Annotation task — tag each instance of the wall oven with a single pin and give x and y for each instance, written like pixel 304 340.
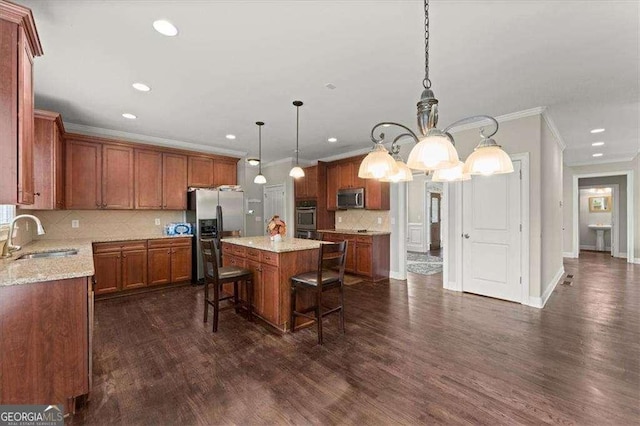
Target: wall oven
pixel 306 216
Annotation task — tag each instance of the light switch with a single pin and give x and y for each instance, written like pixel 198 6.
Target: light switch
pixel 157 221
pixel 379 221
pixel 339 219
pixel 393 220
pixel 258 218
pixel 75 223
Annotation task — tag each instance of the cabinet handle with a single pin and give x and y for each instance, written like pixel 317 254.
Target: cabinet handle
pixel 124 256
pixel 168 251
pixel 97 204
pixel 37 194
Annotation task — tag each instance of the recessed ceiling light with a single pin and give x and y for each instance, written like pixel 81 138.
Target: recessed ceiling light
pixel 330 86
pixel 598 154
pixel 230 136
pixel 597 131
pixel 141 87
pixel 332 140
pixel 165 27
pixel 597 144
pixel 129 116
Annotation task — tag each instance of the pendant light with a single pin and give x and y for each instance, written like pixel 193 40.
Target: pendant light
pixel 403 172
pixel 435 149
pixel 260 179
pixel 452 174
pixel 297 171
pixel 377 164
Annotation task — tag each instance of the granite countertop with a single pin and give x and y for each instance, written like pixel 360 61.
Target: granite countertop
pixel 265 243
pixel 25 271
pixel 352 232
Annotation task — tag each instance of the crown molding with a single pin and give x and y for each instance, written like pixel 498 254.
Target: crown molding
pixel 136 137
pixel 597 163
pixel 554 129
pixel 500 119
pixel 347 154
pixel 24 17
pixel 289 160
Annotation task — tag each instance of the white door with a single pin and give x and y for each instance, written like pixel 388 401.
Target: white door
pixel 274 204
pixel 491 240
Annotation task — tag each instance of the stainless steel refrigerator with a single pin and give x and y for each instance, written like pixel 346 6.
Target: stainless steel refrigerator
pixel 212 212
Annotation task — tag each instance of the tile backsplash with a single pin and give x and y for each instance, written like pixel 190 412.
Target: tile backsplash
pixel 103 223
pixel 363 219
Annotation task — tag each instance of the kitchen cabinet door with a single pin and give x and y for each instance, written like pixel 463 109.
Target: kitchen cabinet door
pixel 48 161
pixel 200 172
pixel 58 165
pixel 258 290
pixel 148 179
pixel 225 173
pixel 25 121
pixel 270 280
pixel 376 195
pixel 180 264
pixel 311 181
pixel 364 259
pixel 333 184
pixel 108 270
pixel 300 187
pixel 117 177
pixel 346 175
pixel 159 266
pixel 134 269
pixel 350 262
pixel 174 181
pixel 83 177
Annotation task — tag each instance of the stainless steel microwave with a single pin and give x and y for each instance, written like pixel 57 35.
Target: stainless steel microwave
pixel 351 198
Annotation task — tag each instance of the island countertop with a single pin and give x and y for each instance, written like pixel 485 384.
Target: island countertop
pixel 264 243
pixel 352 232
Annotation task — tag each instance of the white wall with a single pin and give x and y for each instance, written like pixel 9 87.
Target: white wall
pixel 569 172
pixel 254 223
pixel 550 210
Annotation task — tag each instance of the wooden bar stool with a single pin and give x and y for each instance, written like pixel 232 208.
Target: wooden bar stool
pixel 323 279
pixel 213 274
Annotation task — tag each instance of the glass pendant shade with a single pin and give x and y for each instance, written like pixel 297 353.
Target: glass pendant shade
pixel 434 151
pixel 260 179
pixel 404 174
pixel 253 161
pixel 377 164
pixel 453 174
pixel 488 159
pixel 296 172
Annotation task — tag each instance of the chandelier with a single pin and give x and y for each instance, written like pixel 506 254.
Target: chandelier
pixel 434 150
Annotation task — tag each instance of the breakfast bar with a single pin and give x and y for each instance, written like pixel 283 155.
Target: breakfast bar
pixel 273 264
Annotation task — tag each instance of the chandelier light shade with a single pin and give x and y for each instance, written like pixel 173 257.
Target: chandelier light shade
pixel 487 159
pixel 404 173
pixel 297 172
pixel 434 151
pixel 453 174
pixel 260 179
pixel 377 164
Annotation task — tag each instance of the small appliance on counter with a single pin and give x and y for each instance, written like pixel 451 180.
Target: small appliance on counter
pixel 178 228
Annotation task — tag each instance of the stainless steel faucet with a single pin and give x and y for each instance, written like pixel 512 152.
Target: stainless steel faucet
pixel 8 246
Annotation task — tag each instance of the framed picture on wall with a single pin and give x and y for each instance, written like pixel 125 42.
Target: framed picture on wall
pixel 600 204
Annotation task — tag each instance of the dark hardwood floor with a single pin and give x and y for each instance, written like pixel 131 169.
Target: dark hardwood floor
pixel 413 354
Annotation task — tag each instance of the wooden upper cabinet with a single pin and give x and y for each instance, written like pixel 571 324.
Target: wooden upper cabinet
pixel 307 186
pixel 117 177
pixel 225 172
pixel 19 43
pixel 346 175
pixel 174 181
pixel 200 172
pixel 333 184
pixel 48 161
pixel 25 121
pixel 376 195
pixel 148 179
pixel 83 177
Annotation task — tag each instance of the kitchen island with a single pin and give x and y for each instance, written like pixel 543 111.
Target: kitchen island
pixel 273 265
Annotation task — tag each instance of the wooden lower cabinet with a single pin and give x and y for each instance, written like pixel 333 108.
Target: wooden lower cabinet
pixel 272 274
pixel 367 255
pixel 46 342
pixel 129 265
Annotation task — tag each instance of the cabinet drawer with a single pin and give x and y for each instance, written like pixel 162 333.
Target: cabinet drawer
pixel 160 243
pixel 239 251
pixel 253 254
pixel 119 245
pixel 364 239
pixel 227 248
pixel 180 242
pixel 270 258
pixel 170 242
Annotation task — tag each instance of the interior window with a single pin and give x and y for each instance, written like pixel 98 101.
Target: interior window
pixel 7 212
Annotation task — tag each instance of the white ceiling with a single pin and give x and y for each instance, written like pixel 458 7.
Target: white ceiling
pixel 237 62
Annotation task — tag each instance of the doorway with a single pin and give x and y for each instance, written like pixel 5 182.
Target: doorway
pixel 424 216
pixel 599 219
pixel 274 204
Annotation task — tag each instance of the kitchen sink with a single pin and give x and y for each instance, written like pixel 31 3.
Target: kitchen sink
pixel 59 253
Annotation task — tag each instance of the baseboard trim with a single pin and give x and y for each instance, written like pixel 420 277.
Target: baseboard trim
pixel 397 275
pixel 452 285
pixel 568 254
pixel 636 260
pixel 539 302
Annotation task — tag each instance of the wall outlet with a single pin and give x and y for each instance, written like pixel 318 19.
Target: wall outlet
pixel 157 221
pixel 379 221
pixel 258 218
pixel 75 223
pixel 339 219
